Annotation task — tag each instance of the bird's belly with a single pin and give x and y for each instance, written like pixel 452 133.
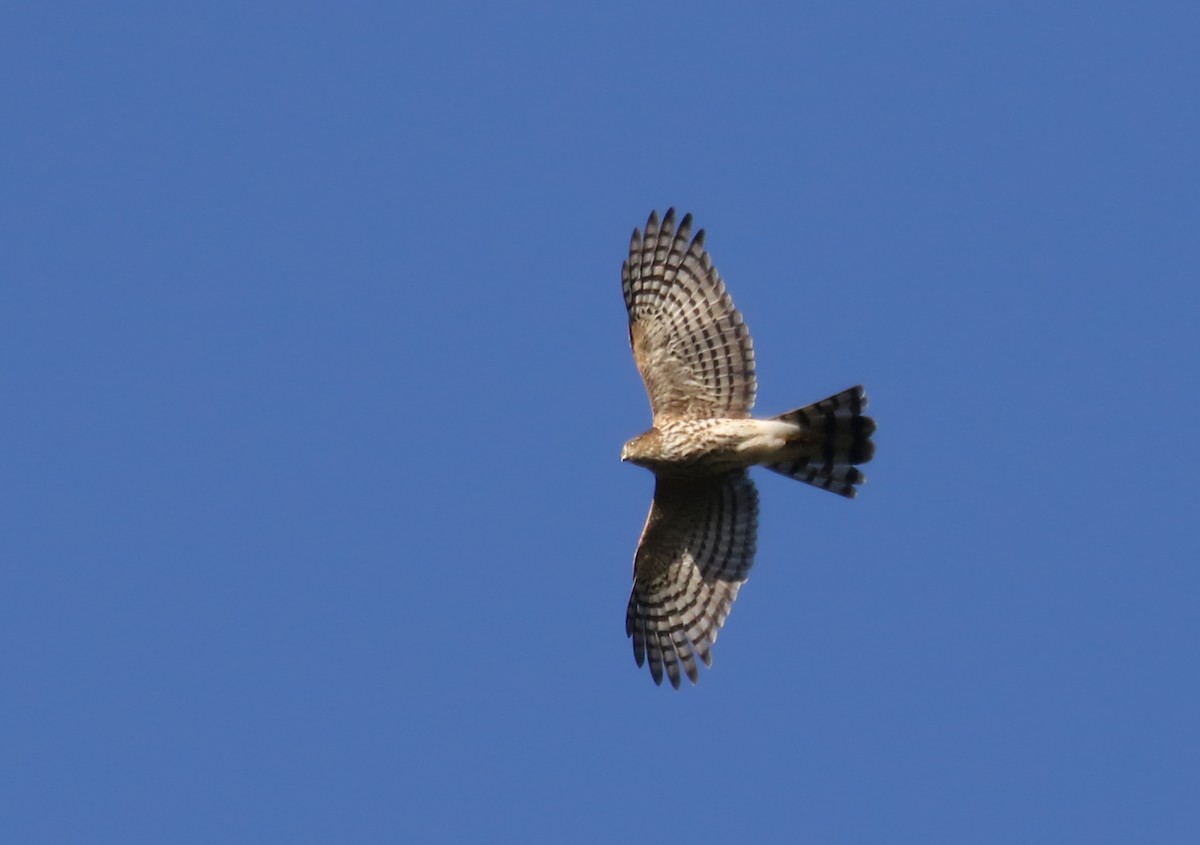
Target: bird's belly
pixel 724 445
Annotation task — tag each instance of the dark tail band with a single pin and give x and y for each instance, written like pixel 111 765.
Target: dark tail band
pixel 839 437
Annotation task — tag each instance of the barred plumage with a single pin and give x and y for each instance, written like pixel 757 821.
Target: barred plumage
pixel 694 554
pixel 694 352
pixel 690 343
pixel 841 438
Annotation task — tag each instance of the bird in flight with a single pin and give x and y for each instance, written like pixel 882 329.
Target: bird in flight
pixel 694 353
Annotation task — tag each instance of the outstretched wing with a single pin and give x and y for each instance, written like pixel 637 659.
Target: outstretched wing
pixel 695 552
pixel 690 343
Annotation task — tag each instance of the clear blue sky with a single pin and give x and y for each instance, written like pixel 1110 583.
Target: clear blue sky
pixel 315 377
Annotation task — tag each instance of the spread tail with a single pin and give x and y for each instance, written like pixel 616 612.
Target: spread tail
pixel 837 437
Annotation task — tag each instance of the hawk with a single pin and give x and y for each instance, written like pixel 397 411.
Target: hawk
pixel 693 350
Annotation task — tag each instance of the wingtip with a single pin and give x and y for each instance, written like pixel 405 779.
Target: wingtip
pixel 684 232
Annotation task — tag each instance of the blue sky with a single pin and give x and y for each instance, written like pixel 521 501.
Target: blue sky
pixel 315 377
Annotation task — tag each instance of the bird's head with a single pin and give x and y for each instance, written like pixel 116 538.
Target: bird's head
pixel 641 448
